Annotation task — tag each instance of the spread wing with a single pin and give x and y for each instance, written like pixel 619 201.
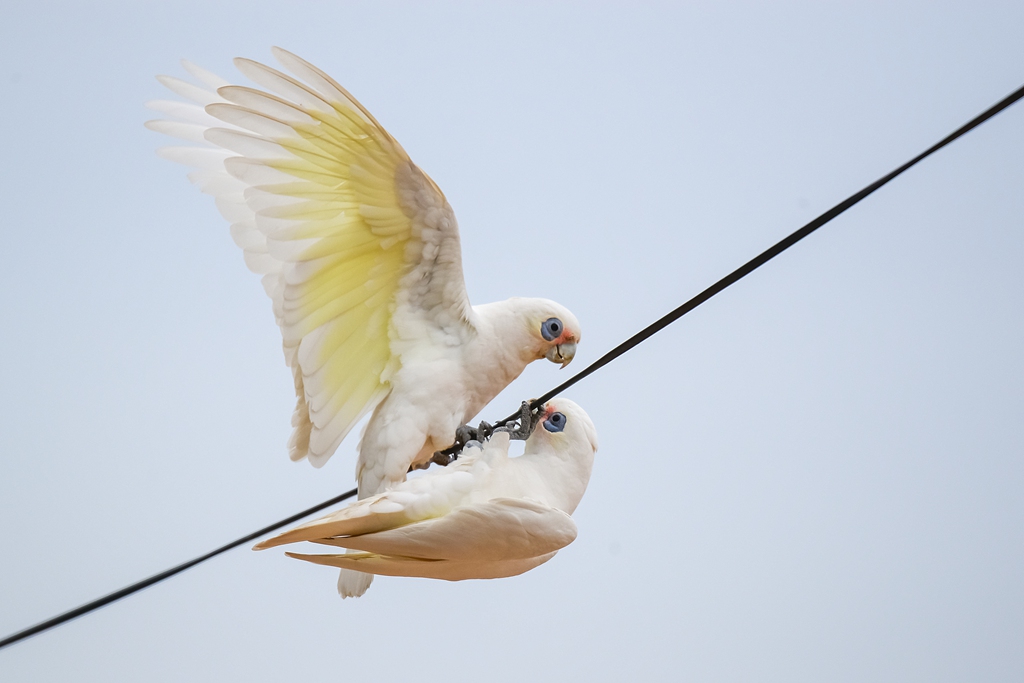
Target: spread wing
pixel 358 248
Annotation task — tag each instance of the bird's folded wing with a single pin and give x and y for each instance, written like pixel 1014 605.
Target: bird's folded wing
pixel 451 570
pixel 498 530
pixel 417 500
pixel 358 247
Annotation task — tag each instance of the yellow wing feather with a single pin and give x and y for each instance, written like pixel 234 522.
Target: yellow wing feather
pixel 313 198
pixel 352 166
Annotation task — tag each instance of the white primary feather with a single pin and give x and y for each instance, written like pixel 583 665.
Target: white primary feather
pixel 368 564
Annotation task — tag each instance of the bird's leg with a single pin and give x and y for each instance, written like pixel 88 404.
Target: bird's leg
pixel 523 426
pixel 463 435
pixel 442 458
pixel 466 435
pixel 484 431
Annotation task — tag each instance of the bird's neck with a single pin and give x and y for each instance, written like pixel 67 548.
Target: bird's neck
pixel 499 353
pixel 562 476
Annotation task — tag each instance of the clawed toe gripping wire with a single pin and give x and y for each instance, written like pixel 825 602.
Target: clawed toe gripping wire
pixel 519 427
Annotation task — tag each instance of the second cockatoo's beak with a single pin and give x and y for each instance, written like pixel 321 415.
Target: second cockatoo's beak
pixel 561 353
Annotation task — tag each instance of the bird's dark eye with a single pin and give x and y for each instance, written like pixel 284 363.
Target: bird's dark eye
pixel 555 423
pixel 551 329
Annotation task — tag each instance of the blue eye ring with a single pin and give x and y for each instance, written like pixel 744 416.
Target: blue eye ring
pixel 555 422
pixel 551 329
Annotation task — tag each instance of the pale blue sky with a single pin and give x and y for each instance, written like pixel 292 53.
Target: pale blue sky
pixel 816 476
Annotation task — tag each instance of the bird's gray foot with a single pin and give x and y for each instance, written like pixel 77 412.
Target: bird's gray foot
pixel 465 434
pixel 442 458
pixel 523 426
pixel 484 431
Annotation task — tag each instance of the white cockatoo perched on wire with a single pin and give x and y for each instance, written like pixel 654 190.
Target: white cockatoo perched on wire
pixel 359 251
pixel 486 516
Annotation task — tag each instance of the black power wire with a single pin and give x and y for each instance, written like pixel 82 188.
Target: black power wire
pixel 644 334
pixel 157 578
pixel 766 256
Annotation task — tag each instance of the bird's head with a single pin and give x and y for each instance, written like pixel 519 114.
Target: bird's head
pixel 563 444
pixel 564 426
pixel 553 330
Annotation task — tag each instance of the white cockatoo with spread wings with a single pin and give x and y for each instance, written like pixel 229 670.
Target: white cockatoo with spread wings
pixel 359 252
pixel 486 516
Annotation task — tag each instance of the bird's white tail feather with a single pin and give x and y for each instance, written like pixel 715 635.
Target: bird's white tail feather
pixel 353 584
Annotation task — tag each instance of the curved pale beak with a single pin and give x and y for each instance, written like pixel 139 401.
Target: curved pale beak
pixel 561 353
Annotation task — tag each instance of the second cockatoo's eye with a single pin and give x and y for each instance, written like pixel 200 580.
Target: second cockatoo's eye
pixel 551 329
pixel 555 423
